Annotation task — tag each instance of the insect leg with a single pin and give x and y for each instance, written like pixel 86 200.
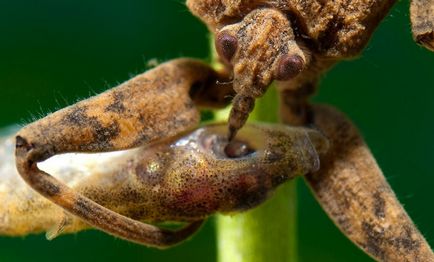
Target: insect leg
pixel 350 186
pixel 96 215
pixel 150 107
pixel 294 94
pixel 422 22
pixel 296 110
pixel 355 194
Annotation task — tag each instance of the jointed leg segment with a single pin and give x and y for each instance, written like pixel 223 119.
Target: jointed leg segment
pixel 422 22
pixel 150 107
pixel 355 194
pixel 161 104
pixel 92 213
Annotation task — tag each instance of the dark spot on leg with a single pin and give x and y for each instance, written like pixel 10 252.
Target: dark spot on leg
pixel 405 240
pixel 379 205
pixel 82 207
pixel 117 105
pixel 49 189
pixel 22 143
pixel 105 135
pixel 374 240
pixel 43 183
pixel 102 135
pixel 33 152
pixel 77 116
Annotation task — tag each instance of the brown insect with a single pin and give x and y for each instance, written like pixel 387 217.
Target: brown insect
pixel 292 42
pixel 183 179
pixel 190 172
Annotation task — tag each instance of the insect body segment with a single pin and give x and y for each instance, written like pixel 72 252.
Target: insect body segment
pixel 355 194
pixel 183 179
pixel 338 29
pixel 192 177
pixel 262 41
pixel 323 33
pixel 186 179
pixel 149 107
pixel 259 49
pixel 172 173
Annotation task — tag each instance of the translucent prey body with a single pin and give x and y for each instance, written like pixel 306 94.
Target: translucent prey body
pixel 184 179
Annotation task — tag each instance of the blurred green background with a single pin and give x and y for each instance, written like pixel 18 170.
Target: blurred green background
pixel 55 52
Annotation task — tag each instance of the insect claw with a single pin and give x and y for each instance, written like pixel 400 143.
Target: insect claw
pixel 59 228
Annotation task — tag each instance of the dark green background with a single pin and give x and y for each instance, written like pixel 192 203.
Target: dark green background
pixel 55 52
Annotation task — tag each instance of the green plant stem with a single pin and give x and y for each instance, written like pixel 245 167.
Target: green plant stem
pixel 267 233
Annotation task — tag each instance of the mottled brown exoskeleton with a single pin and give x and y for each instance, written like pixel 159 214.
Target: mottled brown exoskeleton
pixel 258 42
pixel 177 178
pixel 294 43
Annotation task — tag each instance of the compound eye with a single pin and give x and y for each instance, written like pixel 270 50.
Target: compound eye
pixel 226 45
pixel 289 67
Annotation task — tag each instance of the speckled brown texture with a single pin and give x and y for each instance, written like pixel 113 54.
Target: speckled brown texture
pixel 352 189
pixel 160 105
pixel 153 106
pixel 184 180
pixel 193 178
pixel 422 22
pixel 321 33
pixel 336 28
pixel 355 194
pixel 149 107
pixel 171 182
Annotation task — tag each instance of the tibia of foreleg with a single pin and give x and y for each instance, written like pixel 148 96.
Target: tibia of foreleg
pixel 355 194
pixel 422 22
